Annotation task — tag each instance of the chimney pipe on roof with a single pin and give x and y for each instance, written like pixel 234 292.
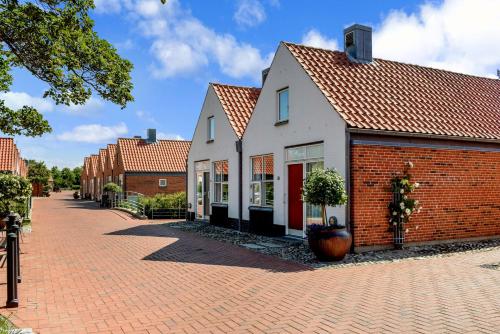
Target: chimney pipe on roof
pixel 358 43
pixel 265 72
pixel 151 136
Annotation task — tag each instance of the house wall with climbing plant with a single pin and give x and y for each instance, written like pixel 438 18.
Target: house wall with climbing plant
pixel 459 191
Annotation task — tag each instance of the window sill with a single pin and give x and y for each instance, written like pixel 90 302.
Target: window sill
pixel 210 141
pixel 279 123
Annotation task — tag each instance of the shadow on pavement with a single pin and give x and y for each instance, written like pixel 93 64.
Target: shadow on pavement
pixel 191 248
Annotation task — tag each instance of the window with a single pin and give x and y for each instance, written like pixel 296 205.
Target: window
pixel 221 178
pixel 283 105
pixel 262 184
pixel 162 183
pixel 211 128
pixel 304 152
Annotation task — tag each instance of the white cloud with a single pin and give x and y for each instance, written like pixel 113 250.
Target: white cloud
pixel 249 13
pixel 162 135
pixel 16 100
pixel 91 105
pixel 458 35
pixel 183 45
pixel 94 133
pixel 127 44
pixel 107 6
pixel 314 38
pixel 145 116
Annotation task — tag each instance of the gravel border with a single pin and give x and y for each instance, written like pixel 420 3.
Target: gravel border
pixel 298 251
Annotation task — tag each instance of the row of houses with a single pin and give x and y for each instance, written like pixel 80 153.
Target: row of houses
pixel 10 158
pixel 365 117
pixel 148 166
pixel 253 147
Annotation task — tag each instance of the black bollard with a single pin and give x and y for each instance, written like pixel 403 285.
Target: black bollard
pixel 12 300
pixel 14 227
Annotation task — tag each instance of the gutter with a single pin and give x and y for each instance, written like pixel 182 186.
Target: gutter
pixel 186 190
pixel 239 149
pixel 349 222
pixel 421 135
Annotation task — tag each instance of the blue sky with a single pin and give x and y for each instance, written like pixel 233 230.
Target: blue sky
pixel 179 48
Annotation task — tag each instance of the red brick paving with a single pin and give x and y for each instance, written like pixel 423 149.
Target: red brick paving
pixel 87 270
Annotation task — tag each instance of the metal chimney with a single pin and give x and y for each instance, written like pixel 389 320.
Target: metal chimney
pixel 151 136
pixel 358 43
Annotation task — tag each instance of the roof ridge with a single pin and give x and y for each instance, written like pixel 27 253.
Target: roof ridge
pixel 395 61
pixel 233 86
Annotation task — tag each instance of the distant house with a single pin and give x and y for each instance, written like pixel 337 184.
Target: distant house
pixel 214 158
pixel 100 172
pixel 366 118
pixel 109 164
pixel 84 178
pixel 93 176
pixel 149 166
pixel 10 158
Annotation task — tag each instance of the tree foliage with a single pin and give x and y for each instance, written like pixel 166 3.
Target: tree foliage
pixel 66 177
pixel 38 172
pixel 112 187
pixel 324 187
pixel 55 41
pixel 14 191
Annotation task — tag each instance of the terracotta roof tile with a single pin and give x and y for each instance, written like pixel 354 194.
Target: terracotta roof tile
pixel 102 159
pixel 238 103
pixel 111 152
pixel 163 156
pixel 7 154
pixel 388 95
pixel 93 165
pixel 85 168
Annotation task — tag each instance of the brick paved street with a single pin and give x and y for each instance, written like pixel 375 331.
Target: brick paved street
pixel 87 270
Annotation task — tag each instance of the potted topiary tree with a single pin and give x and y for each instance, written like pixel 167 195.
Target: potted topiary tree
pixel 329 241
pixel 110 188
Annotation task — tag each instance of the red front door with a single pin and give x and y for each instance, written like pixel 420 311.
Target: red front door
pixel 295 207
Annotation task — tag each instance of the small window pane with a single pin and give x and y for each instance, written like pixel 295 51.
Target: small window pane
pixel 269 193
pixel 225 171
pixel 255 188
pixel 225 192
pixel 268 167
pixel 217 171
pixel 257 168
pixel 211 128
pixel 283 105
pixel 296 153
pixel 315 151
pixel 217 193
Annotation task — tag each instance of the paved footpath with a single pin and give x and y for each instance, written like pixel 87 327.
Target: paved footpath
pixel 87 270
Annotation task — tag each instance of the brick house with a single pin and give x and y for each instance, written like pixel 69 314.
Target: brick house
pixel 109 164
pixel 84 178
pixel 368 117
pixel 100 172
pixel 10 158
pixel 150 166
pixel 93 176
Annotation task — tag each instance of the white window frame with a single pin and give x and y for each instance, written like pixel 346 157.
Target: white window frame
pixel 279 92
pixel 162 185
pixel 210 128
pixel 260 184
pixel 220 181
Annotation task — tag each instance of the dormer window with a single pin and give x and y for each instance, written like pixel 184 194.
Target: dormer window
pixel 211 129
pixel 283 105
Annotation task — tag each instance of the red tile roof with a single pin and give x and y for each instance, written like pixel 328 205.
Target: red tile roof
pixel 162 156
pixel 85 168
pixel 388 95
pixel 238 104
pixel 102 159
pixel 93 165
pixel 111 152
pixel 7 154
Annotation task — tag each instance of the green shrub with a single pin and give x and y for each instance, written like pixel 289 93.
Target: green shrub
pixel 164 201
pixel 112 187
pixel 14 192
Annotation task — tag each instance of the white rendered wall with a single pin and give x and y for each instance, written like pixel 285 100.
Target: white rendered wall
pixel 222 148
pixel 311 119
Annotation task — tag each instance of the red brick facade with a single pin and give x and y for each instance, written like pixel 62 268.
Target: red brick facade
pixel 149 184
pixel 459 192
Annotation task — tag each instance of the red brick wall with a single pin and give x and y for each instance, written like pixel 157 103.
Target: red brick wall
pixel 459 193
pixel 149 184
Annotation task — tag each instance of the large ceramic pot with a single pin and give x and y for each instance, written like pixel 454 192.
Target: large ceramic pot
pixel 329 243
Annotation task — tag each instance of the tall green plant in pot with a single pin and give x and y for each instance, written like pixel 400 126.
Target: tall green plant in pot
pixel 326 187
pixel 14 191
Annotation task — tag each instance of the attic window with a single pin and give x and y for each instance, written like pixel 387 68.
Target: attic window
pixel 162 183
pixel 349 39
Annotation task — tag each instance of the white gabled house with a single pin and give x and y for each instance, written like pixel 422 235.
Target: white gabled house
pixel 214 158
pixel 292 130
pixel 365 117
